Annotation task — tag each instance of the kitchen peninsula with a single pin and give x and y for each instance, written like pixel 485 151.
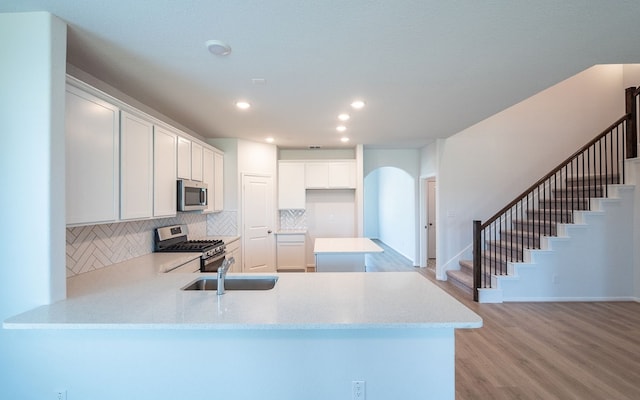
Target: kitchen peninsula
pixel 334 327
pixel 343 254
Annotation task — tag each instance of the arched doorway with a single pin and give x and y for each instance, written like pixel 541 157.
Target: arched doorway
pixel 390 209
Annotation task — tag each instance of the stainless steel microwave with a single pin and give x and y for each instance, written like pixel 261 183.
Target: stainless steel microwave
pixel 192 195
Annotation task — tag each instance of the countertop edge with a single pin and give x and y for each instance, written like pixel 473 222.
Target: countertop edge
pixel 235 327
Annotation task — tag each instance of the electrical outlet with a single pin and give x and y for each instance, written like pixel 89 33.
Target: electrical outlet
pixel 358 390
pixel 61 395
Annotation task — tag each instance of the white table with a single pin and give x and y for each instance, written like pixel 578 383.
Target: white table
pixel 343 254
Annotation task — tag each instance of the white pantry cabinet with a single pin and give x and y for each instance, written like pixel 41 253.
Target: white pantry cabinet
pixel 165 143
pixel 291 185
pixel 136 167
pixel 92 158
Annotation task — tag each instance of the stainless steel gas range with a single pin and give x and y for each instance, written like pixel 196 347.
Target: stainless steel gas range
pixel 173 239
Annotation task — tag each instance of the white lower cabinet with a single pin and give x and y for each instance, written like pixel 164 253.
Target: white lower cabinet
pixel 92 159
pixel 233 250
pixel 291 252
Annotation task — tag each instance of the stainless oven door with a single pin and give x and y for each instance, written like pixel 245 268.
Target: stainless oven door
pixel 212 263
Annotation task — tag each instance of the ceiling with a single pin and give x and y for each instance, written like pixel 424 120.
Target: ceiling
pixel 426 69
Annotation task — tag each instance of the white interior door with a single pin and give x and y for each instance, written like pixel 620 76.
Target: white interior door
pixel 258 217
pixel 431 219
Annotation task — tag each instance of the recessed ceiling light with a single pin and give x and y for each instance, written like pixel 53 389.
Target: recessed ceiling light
pixel 358 104
pixel 269 140
pixel 243 105
pixel 344 117
pixel 218 47
pixel 341 128
pixel 344 139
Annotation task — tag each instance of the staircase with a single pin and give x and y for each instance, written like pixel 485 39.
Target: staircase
pixel 510 242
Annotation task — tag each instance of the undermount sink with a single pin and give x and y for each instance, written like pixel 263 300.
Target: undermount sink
pixel 232 283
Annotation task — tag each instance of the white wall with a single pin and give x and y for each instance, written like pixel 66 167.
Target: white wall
pixel 371 205
pixel 397 211
pixel 429 159
pixel 633 176
pixel 32 78
pixel 398 216
pixel 485 166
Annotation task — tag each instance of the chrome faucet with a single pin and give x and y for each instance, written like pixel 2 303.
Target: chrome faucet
pixel 222 273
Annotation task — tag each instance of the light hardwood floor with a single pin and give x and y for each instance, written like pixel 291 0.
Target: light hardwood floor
pixel 549 351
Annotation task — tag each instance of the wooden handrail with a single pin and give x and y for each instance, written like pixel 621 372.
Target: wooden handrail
pixel 554 171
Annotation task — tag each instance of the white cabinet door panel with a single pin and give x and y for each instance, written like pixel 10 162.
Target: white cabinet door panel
pixel 208 177
pixel 165 145
pixel 136 167
pixel 92 159
pixel 316 175
pixel 218 190
pixel 342 175
pixel 196 161
pixel 291 186
pixel 184 158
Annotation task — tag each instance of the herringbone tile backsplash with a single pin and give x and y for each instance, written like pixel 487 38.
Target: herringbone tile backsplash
pixel 97 246
pixel 293 219
pixel 223 224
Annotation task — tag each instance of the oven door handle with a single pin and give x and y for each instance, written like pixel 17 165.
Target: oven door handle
pixel 215 258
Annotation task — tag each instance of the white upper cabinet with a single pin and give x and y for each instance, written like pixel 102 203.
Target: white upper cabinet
pixel 291 185
pixel 184 158
pixel 342 174
pixel 330 174
pixel 213 176
pixel 189 159
pixel 92 159
pixel 218 188
pixel 165 145
pixel 316 175
pixel 123 164
pixel 196 161
pixel 208 176
pixel 136 167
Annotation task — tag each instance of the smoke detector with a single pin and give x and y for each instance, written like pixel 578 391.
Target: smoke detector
pixel 218 47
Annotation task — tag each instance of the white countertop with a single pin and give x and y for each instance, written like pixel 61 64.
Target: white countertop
pixel 133 295
pixel 345 245
pixel 291 232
